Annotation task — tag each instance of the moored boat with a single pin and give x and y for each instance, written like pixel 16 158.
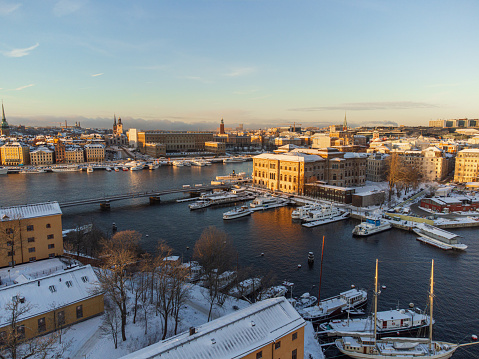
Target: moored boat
pixel 325 217
pixel 3 170
pixel 199 204
pixel 438 237
pixel 371 226
pixel 72 168
pixel 267 202
pixel 237 213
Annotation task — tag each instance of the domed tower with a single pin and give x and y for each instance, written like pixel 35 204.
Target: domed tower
pixel 119 127
pixel 114 124
pixel 5 129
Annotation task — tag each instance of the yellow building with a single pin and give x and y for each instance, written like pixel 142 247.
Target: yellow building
pixel 94 152
pixel 54 301
pixel 155 149
pixel 218 148
pixel 74 155
pixel 41 156
pixel 29 233
pixel 269 329
pixel 467 166
pixel 175 141
pixel 14 154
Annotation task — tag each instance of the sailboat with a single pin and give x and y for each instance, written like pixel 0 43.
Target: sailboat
pixel 335 306
pixel 364 346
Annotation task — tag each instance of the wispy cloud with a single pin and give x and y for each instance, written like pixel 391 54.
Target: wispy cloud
pixel 240 71
pixel 24 87
pixel 6 8
pixel 370 106
pixel 67 7
pixel 20 52
pixel 96 75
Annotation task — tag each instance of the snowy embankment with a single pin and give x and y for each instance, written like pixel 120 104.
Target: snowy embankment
pixel 88 341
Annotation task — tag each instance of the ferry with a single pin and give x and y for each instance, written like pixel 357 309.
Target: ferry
pixel 233 160
pixel 237 213
pixel 199 204
pixel 3 170
pixel 301 212
pixel 324 216
pixel 33 170
pixel 438 237
pixel 72 168
pixel 267 202
pixel 89 169
pixel 371 226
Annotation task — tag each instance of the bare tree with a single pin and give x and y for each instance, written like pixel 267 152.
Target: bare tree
pixel 215 253
pixel 119 254
pixel 11 241
pixel 395 168
pixel 111 321
pixel 180 290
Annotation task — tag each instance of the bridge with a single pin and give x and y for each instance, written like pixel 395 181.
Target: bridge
pixel 154 196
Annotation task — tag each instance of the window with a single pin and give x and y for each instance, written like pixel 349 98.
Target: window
pixel 69 283
pixel 31 249
pixel 50 246
pixel 84 279
pixel 21 332
pixel 79 311
pixel 30 228
pixel 48 225
pixel 42 325
pixel 32 259
pixel 277 345
pixel 258 355
pixel 295 336
pixel 294 354
pixel 51 255
pixel 31 239
pixel 61 318
pixel 11 253
pixel 52 288
pixel 50 236
pixel 9 231
pixel 9 243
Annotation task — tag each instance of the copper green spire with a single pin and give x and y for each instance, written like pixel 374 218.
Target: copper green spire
pixel 4 120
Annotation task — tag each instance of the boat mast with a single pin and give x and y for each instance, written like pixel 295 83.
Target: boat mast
pixel 375 301
pixel 321 272
pixel 431 296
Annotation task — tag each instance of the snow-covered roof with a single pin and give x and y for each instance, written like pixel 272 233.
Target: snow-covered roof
pixel 232 336
pixel 291 156
pixel 29 211
pixel 53 291
pixel 470 150
pixel 355 155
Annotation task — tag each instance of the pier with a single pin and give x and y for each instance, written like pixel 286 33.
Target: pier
pixel 154 196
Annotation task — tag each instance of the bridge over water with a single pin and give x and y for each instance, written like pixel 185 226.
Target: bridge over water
pixel 154 196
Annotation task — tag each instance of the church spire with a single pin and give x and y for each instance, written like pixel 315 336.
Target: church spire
pixel 114 120
pixel 3 114
pixel 4 129
pixel 345 124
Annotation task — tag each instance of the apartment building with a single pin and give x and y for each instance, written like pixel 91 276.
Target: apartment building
pixel 41 156
pixel 271 328
pixel 30 232
pixel 74 155
pixel 432 163
pixel 467 166
pixel 155 149
pixel 94 152
pixel 14 154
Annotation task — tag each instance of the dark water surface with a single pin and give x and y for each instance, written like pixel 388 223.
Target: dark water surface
pixel 404 262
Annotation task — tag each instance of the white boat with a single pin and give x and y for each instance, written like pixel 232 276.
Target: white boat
pixel 3 170
pixel 72 168
pixel 153 166
pixel 237 213
pixel 89 169
pixel 371 226
pixel 116 169
pixel 335 306
pixel 199 204
pixel 178 163
pixel 363 346
pixel 438 237
pixel 267 202
pixel 125 169
pixel 324 217
pixel 388 323
pixel 32 170
pixel 108 169
pixel 198 162
pixel 233 160
pixel 272 292
pixel 304 301
pixel 232 176
pixel 137 168
pixel 302 211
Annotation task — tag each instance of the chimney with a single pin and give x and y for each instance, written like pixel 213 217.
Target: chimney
pixel 192 330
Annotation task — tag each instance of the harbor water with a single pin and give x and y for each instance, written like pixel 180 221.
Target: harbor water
pixel 404 262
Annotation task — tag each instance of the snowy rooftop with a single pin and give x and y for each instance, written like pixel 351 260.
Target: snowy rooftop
pixel 30 211
pixel 57 290
pixel 355 155
pixel 291 156
pixel 231 336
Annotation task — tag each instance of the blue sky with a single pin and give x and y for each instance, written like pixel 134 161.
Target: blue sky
pixel 258 62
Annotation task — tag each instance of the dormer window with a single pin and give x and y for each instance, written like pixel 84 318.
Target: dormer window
pixel 52 288
pixel 84 279
pixel 69 283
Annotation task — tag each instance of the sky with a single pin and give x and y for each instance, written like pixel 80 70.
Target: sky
pixel 185 64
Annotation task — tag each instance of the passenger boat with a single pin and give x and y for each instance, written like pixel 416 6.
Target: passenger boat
pixel 371 226
pixel 116 169
pixel 3 170
pixel 272 292
pixel 324 216
pixel 72 168
pixel 363 346
pixel 302 211
pixel 137 168
pixel 108 169
pixel 153 166
pixel 89 169
pixel 233 160
pixel 438 237
pixel 32 170
pixel 245 288
pixel 267 202
pixel 199 204
pixel 304 301
pixel 389 323
pixel 237 213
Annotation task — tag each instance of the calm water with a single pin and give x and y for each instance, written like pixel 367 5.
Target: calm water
pixel 404 262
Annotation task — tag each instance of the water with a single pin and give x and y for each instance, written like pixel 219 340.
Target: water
pixel 404 262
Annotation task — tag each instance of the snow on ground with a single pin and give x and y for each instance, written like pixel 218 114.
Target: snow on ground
pixel 89 342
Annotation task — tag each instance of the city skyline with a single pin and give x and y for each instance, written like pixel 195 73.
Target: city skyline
pixel 259 63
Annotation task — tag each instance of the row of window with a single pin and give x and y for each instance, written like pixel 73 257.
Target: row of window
pixel 30 228
pixel 277 345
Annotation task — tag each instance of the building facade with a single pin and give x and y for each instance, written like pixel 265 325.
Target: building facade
pixel 29 233
pixel 155 149
pixel 467 166
pixel 41 156
pixel 376 167
pixel 59 150
pixel 74 155
pixel 94 152
pixel 175 141
pixel 14 154
pixel 218 148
